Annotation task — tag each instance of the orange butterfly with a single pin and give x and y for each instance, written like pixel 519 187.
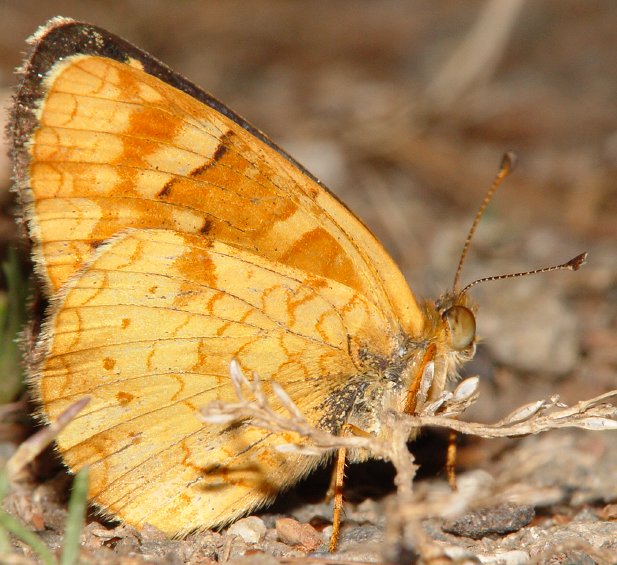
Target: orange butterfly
pixel 171 236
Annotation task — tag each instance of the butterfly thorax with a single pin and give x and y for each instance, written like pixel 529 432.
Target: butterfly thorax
pixel 417 370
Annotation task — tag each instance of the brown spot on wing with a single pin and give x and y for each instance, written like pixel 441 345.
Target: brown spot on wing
pixel 165 191
pixel 222 148
pixel 218 155
pixel 198 171
pixel 206 227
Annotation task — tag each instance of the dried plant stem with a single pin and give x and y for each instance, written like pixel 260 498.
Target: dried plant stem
pixel 593 414
pixel 403 528
pixel 477 56
pixel 36 443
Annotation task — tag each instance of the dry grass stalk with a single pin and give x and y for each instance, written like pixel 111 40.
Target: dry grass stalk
pixel 35 444
pixel 404 519
pixel 596 414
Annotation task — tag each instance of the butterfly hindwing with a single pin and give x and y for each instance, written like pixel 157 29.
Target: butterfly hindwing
pixel 148 336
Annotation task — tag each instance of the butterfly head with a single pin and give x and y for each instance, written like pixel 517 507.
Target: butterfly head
pixel 448 341
pixel 449 336
pixel 458 320
pixel 451 320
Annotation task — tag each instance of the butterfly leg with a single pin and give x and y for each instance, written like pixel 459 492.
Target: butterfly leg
pixel 337 487
pixel 451 461
pixel 410 408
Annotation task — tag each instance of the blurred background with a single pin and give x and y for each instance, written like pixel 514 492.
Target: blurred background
pixel 404 109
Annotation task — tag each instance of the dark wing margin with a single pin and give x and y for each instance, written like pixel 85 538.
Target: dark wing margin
pixel 62 37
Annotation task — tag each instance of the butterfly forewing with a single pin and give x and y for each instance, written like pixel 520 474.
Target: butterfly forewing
pixel 116 147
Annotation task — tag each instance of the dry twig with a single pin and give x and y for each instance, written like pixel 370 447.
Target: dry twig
pixel 36 443
pixel 593 414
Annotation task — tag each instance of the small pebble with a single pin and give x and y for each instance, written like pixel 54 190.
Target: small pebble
pixel 502 519
pixel 254 559
pixel 251 529
pixel 292 532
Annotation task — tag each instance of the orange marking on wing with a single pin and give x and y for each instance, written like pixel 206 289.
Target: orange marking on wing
pixel 196 263
pixel 109 363
pixel 317 251
pixel 124 397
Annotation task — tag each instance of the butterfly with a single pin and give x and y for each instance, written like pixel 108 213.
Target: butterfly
pixel 170 236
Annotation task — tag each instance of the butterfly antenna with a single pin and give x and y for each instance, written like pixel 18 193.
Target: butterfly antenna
pixel 572 265
pixel 507 165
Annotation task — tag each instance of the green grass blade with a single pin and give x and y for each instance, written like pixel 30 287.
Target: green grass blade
pixel 76 518
pixel 15 527
pixel 12 319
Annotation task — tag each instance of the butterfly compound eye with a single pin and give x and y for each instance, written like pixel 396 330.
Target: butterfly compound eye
pixel 462 326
